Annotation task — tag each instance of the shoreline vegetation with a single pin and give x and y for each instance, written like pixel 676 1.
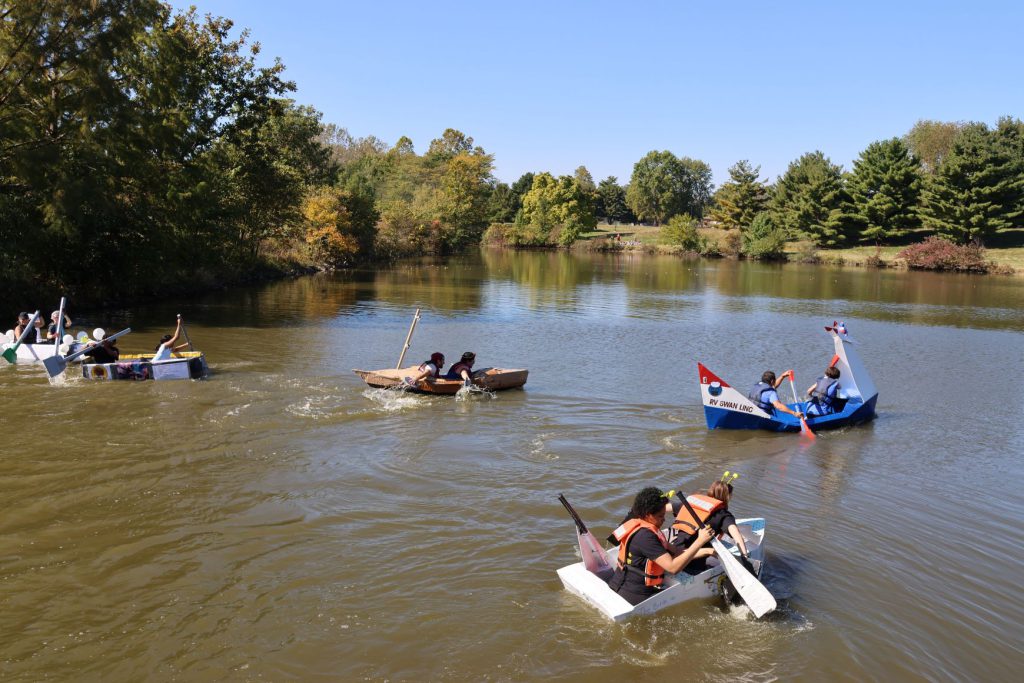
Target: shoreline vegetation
pixel 627 238
pixel 144 153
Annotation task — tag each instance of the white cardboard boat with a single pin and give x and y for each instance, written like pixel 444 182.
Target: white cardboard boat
pixel 37 353
pixel 678 588
pixel 183 365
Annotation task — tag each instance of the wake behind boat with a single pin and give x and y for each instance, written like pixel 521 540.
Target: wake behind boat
pixel 727 408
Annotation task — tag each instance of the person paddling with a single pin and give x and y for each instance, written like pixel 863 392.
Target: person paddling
pixel 166 346
pixel 428 369
pixel 463 369
pixel 712 507
pixel 644 552
pixel 825 393
pixel 765 396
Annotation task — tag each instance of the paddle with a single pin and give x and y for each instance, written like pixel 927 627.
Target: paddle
pixel 594 557
pixel 57 363
pixel 12 353
pixel 408 337
pixel 185 331
pixel 753 592
pixel 60 322
pixel 805 429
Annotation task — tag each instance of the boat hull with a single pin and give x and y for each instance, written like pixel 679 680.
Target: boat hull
pixel 190 365
pixel 491 379
pixel 679 588
pixel 852 414
pixel 37 353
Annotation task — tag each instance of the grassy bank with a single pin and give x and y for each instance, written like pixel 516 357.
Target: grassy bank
pixel 1005 251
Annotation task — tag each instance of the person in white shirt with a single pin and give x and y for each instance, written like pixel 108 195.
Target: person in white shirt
pixel 167 347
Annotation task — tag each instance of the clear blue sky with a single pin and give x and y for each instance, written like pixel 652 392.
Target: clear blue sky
pixel 548 86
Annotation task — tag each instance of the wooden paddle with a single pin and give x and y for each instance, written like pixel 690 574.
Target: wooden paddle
pixel 185 332
pixel 753 592
pixel 57 363
pixel 11 354
pixel 594 557
pixel 408 337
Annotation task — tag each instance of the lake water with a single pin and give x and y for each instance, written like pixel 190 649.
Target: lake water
pixel 281 521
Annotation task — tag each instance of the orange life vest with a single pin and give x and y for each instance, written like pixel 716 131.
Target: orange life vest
pixel 653 573
pixel 703 505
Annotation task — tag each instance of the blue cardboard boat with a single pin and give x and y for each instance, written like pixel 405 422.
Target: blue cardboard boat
pixel 729 408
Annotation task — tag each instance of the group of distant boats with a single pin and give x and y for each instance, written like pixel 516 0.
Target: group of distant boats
pixel 107 363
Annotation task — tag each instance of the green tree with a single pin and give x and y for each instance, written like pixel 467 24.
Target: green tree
pixel 764 239
pixel 681 230
pixel 663 185
pixel 978 189
pixel 811 202
pixel 885 189
pixel 739 200
pixel 930 142
pixel 612 201
pixel 555 210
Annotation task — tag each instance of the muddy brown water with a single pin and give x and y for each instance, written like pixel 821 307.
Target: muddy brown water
pixel 280 521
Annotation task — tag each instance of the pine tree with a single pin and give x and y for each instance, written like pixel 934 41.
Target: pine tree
pixel 885 188
pixel 978 189
pixel 810 201
pixel 740 199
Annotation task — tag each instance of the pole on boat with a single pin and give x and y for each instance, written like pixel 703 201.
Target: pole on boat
pixel 408 338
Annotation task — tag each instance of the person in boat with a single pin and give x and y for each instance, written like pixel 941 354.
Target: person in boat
pixel 463 369
pixel 712 507
pixel 23 320
pixel 104 351
pixel 765 396
pixel 166 346
pixel 428 369
pixel 644 552
pixel 825 393
pixel 40 333
pixel 51 332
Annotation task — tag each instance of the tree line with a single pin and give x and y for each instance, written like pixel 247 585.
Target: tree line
pixel 142 150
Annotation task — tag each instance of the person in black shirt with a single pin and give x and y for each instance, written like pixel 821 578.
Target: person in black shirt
pixel 720 521
pixel 644 553
pixel 104 352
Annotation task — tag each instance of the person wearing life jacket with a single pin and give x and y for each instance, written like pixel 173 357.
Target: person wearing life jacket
pixel 463 369
pixel 644 552
pixel 824 393
pixel 712 508
pixel 428 369
pixel 765 396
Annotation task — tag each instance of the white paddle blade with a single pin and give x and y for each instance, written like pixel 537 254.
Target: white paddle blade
pixel 753 592
pixel 594 557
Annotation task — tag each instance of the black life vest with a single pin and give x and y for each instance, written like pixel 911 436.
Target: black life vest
pixel 757 393
pixel 824 392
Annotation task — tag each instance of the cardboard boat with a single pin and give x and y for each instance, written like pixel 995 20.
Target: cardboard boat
pixel 491 379
pixel 182 365
pixel 728 408
pixel 678 588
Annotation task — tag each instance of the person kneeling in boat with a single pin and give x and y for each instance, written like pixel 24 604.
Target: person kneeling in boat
pixel 712 508
pixel 104 352
pixel 166 346
pixel 825 393
pixel 428 369
pixel 644 552
pixel 51 332
pixel 463 369
pixel 23 320
pixel 765 396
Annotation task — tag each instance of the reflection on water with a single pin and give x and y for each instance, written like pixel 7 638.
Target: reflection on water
pixel 283 521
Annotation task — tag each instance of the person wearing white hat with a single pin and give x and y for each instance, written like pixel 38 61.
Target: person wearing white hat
pixel 51 334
